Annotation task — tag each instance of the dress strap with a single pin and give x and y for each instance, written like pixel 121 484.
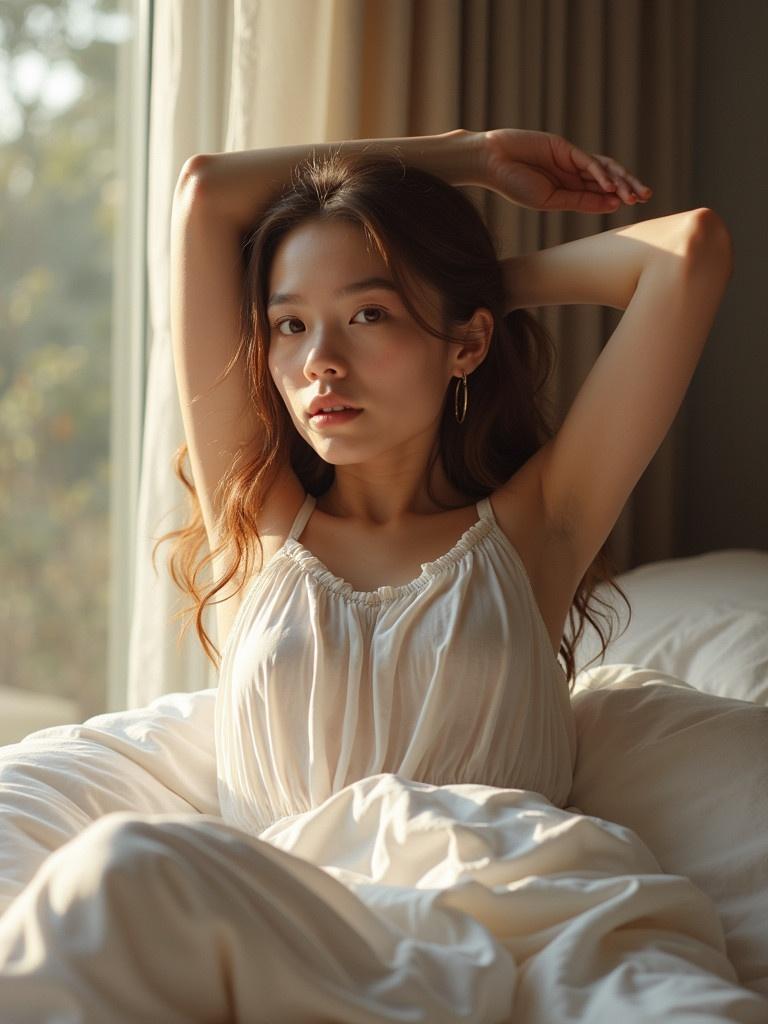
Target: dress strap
pixel 484 509
pixel 303 515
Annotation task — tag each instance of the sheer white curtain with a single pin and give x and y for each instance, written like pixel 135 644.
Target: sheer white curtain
pixel 241 74
pixel 191 54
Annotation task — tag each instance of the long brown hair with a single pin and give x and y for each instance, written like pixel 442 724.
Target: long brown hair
pixel 424 229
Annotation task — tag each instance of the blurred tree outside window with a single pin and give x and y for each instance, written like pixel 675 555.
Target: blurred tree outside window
pixel 59 192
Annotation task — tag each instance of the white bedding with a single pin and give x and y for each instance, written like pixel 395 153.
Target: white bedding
pixel 565 913
pixel 702 619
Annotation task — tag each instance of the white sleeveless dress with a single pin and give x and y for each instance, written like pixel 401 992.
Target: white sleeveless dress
pixel 399 761
pixel 450 678
pixel 391 846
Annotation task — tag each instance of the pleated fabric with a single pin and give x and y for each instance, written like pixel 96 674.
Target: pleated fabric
pixel 450 678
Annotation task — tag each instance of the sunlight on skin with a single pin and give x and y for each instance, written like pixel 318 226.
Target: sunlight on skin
pixel 366 348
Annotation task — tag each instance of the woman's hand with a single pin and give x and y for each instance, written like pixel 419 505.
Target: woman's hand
pixel 543 171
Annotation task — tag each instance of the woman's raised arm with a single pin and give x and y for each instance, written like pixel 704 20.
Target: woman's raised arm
pixel 540 170
pixel 241 183
pixel 630 398
pixel 601 269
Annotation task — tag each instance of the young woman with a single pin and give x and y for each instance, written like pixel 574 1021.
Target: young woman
pixel 397 538
pixel 395 483
pixel 433 534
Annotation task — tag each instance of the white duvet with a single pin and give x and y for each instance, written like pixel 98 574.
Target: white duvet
pixel 644 899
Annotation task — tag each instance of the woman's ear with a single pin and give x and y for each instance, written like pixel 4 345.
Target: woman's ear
pixel 477 334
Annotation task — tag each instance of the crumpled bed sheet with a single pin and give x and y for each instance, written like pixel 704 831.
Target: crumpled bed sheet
pixel 407 901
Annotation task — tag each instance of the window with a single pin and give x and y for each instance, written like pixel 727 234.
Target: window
pixel 69 104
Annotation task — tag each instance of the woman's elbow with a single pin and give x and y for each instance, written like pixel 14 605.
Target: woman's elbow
pixel 710 238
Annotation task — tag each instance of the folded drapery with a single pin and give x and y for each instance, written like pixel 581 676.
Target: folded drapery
pixel 681 773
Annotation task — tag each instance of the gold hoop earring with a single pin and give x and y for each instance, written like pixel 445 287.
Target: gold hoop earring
pixel 459 383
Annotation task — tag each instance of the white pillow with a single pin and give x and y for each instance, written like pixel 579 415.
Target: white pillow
pixel 688 772
pixel 703 620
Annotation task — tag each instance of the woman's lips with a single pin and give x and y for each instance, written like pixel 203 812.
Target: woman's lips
pixel 327 419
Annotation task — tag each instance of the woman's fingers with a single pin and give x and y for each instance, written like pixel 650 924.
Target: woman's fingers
pixel 627 186
pixel 611 176
pixel 586 183
pixel 620 179
pixel 595 166
pixel 622 188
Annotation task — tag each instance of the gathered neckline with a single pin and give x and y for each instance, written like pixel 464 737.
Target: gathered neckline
pixel 305 560
pixel 486 526
pixel 294 549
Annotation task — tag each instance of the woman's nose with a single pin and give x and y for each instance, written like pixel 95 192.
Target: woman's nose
pixel 324 354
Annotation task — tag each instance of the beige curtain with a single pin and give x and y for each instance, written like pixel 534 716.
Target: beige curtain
pixel 614 76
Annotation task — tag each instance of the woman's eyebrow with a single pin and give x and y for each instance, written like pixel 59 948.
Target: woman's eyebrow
pixel 356 286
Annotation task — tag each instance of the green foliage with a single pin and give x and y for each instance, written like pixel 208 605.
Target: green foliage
pixel 57 193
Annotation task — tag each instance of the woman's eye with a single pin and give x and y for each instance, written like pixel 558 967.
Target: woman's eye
pixel 288 320
pixel 373 309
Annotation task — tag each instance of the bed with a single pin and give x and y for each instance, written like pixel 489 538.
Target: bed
pixel 672 743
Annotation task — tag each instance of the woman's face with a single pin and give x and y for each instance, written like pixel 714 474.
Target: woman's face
pixel 357 341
